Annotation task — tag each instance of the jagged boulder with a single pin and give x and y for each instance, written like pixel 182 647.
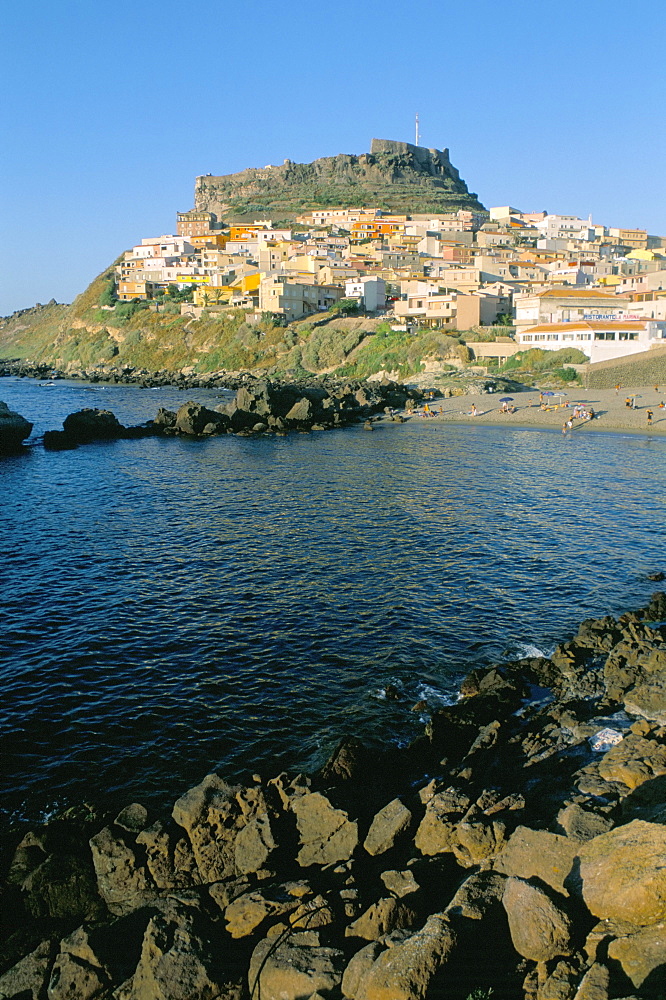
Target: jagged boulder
pixel 406 966
pixel 14 429
pixel 294 968
pixel 400 883
pixel 248 911
pixel 387 827
pixel 623 874
pixel 540 929
pixel 539 854
pixel 211 816
pixel 196 420
pixel 642 955
pixel 255 843
pixel 301 412
pixel 169 857
pixel 123 881
pixel 595 983
pixel 177 959
pixel 437 830
pixel 55 877
pixel 92 425
pixel 28 979
pixel 479 895
pixel 165 419
pixel 381 918
pixel 326 833
pixel 582 824
pixel 78 972
pixel 633 760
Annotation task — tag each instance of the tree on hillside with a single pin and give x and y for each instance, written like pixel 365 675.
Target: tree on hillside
pixel 108 296
pixel 345 307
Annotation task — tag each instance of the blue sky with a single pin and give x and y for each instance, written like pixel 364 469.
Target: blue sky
pixel 109 112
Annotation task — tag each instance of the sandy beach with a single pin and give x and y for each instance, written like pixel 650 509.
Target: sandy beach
pixel 611 412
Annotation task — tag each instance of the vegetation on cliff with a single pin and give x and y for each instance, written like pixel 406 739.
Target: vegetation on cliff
pixel 156 337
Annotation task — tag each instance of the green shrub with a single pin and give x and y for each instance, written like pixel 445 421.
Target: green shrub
pixel 108 296
pixel 345 307
pixel 566 374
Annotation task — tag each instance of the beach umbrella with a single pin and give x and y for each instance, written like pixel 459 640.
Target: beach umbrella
pixel 506 399
pixel 549 393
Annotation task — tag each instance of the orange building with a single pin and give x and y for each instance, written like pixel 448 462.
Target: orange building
pixel 375 229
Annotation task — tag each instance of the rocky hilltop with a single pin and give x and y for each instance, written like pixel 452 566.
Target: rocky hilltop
pixel 395 176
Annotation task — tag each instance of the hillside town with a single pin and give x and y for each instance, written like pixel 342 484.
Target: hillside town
pixel 554 281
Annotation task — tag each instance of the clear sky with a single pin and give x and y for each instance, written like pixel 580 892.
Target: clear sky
pixel 109 111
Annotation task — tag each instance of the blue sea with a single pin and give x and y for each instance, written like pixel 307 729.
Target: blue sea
pixel 172 607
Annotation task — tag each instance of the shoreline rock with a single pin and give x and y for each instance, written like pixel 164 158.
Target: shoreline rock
pixel 518 845
pixel 265 408
pixel 14 429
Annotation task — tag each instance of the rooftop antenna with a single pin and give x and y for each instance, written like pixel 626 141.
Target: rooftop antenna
pixel 417 129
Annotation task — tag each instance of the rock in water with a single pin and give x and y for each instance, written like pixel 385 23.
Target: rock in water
pixel 92 425
pixel 14 429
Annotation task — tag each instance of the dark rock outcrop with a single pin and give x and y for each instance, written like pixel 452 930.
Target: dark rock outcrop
pixel 14 429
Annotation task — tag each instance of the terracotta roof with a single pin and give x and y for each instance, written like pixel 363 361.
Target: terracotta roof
pixel 582 293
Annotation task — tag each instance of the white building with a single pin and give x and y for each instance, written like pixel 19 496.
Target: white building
pixel 566 227
pixel 568 305
pixel 162 246
pixel 600 340
pixel 371 291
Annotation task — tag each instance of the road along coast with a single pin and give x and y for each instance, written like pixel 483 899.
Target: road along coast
pixel 516 846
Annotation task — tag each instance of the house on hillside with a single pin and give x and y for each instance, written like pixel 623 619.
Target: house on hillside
pixel 569 304
pixel 600 340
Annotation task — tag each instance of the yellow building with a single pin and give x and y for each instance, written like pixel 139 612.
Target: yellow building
pixel 210 241
pixel 212 296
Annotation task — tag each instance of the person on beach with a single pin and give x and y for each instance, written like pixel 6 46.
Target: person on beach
pixel 473 412
pixel 649 417
pixel 627 402
pixel 617 388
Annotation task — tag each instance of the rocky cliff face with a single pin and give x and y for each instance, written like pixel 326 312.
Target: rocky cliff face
pixel 395 176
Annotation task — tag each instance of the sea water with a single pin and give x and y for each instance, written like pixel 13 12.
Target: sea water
pixel 172 607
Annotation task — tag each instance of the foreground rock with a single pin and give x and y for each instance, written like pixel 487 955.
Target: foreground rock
pixel 14 429
pixel 518 846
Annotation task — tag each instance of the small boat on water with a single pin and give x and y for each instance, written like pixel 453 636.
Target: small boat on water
pixel 45 385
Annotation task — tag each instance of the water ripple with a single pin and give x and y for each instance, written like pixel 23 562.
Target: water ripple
pixel 173 607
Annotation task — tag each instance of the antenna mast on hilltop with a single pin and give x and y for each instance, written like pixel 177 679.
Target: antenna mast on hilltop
pixel 417 129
